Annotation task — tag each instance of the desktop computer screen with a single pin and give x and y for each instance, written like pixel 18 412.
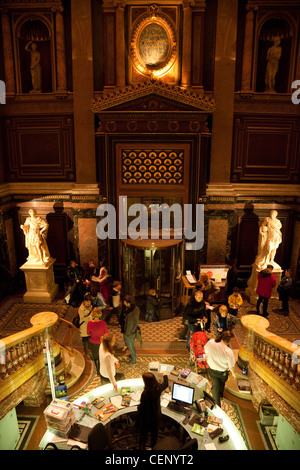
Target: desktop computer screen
pixel 183 394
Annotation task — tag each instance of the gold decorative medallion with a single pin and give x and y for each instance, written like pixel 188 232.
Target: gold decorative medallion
pixel 153 44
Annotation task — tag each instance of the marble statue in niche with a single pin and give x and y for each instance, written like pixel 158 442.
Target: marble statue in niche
pixel 35 229
pixel 35 67
pixel 270 237
pixel 273 57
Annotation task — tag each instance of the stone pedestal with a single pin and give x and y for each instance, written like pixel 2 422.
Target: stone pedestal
pixel 252 284
pixel 40 284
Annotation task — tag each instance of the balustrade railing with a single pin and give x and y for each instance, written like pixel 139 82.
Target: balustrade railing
pixel 274 359
pixel 282 362
pixel 20 351
pixel 21 358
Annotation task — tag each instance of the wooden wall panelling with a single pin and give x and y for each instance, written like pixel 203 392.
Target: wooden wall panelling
pixel 40 148
pixel 109 49
pixel 265 149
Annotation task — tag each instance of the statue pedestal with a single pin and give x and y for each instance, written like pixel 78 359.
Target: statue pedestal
pixel 252 284
pixel 40 284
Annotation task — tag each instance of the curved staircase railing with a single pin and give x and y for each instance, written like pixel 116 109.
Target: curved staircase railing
pixel 22 365
pixel 274 359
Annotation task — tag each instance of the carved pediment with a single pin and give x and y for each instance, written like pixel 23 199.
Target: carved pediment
pixel 153 95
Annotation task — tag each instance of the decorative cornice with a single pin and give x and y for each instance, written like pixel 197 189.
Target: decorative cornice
pixel 133 92
pixel 29 4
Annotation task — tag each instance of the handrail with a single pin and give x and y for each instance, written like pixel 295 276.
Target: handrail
pixel 275 359
pixel 63 347
pixel 22 355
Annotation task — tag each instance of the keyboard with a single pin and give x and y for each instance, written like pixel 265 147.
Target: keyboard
pixel 179 408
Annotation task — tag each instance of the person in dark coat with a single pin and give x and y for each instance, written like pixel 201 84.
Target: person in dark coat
pixel 130 328
pixel 149 411
pixel 265 283
pixel 231 279
pixel 195 311
pixel 76 287
pixel 283 289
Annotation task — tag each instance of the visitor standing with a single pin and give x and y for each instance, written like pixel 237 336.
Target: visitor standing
pixel 96 329
pixel 149 410
pixel 284 291
pixel 265 283
pixel 108 362
pixel 130 328
pixel 84 313
pixel 221 361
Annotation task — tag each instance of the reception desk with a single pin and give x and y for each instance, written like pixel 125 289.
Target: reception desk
pixel 235 441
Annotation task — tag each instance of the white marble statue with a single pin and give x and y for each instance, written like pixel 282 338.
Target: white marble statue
pixel 269 239
pixel 35 229
pixel 273 57
pixel 35 67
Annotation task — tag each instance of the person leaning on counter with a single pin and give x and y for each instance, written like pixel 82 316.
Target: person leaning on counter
pixel 149 410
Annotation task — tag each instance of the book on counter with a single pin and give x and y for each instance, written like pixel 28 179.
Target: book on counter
pixel 99 402
pixel 198 429
pixel 125 391
pixel 106 412
pixel 125 400
pixel 185 372
pixel 214 420
pixel 197 379
pixel 176 371
pixel 244 386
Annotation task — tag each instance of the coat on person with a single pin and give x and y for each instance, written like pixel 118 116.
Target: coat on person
pixel 265 283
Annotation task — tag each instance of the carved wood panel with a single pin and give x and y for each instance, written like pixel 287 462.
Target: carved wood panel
pixel 40 149
pixel 265 150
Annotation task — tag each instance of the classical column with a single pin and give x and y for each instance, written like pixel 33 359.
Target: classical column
pixel 60 52
pixel 8 54
pixel 120 43
pixel 224 87
pixel 297 74
pixel 186 44
pixel 248 51
pixel 83 91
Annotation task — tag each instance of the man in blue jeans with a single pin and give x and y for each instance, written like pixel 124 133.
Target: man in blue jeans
pixel 130 328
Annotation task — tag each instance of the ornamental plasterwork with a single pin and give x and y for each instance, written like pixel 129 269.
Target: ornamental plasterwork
pixel 139 90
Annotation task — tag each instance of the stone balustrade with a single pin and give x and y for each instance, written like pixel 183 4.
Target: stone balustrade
pixel 21 358
pixel 272 358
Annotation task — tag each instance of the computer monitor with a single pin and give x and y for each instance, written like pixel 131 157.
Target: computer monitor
pixel 183 394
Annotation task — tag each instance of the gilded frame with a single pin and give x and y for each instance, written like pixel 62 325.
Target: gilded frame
pixel 155 37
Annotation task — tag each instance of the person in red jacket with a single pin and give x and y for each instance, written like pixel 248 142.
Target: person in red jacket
pixel 266 282
pixel 96 328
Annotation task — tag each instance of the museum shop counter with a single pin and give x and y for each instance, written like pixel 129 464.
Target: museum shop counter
pixel 91 408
